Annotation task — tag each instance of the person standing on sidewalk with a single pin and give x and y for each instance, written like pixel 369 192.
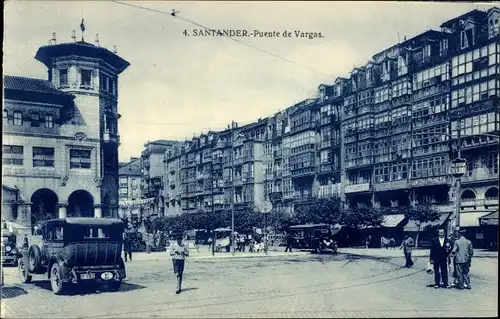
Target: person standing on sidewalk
pixel 127 247
pixel 289 242
pixel 440 250
pixel 178 251
pixel 407 245
pixel 463 252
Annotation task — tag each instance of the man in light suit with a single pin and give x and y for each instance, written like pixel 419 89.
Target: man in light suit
pixel 463 252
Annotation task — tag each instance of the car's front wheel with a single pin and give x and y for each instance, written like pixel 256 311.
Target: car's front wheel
pixel 56 282
pixel 23 272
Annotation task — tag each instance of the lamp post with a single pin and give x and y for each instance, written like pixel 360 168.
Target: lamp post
pixel 266 208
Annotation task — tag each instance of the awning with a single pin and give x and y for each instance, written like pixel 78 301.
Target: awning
pixel 388 221
pixel 490 219
pixel 471 219
pixel 392 220
pixel 412 225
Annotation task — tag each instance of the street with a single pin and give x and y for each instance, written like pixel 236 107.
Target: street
pixel 304 285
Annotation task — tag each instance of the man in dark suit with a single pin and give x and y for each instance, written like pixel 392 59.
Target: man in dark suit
pixel 440 250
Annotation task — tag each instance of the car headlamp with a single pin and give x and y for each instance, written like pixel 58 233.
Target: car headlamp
pixel 8 248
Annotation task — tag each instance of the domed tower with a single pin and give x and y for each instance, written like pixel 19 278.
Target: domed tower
pixel 90 73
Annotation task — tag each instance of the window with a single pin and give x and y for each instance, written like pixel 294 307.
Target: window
pixel 478 124
pixel 86 77
pixel 35 119
pixel 18 118
pixel 79 158
pixel 63 77
pixel 5 114
pixel 12 155
pixel 43 157
pixel 49 120
pixel 473 93
pixel 467 38
pixel 429 167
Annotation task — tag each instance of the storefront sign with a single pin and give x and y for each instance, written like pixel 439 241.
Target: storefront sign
pixel 357 188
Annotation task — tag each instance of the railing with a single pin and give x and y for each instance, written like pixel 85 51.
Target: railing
pixel 480 174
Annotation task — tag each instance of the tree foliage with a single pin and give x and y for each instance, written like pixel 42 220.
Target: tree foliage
pixel 362 216
pixel 422 214
pixel 322 210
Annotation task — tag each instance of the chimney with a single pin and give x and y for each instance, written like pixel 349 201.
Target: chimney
pixel 114 49
pixel 97 39
pixel 73 37
pixel 54 37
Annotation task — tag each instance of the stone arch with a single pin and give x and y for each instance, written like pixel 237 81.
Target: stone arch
pixel 44 205
pixel 80 204
pixel 491 193
pixel 468 194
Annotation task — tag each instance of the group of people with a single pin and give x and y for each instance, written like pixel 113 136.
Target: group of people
pixel 453 253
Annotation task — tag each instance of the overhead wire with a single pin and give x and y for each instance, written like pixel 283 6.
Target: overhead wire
pixel 221 34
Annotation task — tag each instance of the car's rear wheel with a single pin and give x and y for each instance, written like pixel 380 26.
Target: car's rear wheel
pixel 23 272
pixel 34 259
pixel 56 282
pixel 114 285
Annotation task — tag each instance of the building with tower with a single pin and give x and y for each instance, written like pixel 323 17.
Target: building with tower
pixel 60 134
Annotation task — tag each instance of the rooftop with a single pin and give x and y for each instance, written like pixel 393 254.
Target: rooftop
pixel 19 83
pixel 474 14
pixel 47 53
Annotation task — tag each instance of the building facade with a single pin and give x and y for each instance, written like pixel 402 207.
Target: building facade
pixel 384 136
pixel 153 174
pixel 60 135
pixel 130 179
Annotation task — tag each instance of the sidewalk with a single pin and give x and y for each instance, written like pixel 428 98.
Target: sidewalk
pixel 397 253
pixel 204 253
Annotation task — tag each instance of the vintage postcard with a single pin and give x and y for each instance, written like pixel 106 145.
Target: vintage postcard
pixel 210 159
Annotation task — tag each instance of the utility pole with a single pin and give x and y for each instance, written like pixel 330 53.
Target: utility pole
pixel 233 193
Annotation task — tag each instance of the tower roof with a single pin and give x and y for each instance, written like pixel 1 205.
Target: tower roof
pixel 46 53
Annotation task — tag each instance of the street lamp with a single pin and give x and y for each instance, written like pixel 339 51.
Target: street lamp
pixel 265 208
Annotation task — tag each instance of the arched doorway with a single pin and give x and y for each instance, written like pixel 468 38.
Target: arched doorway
pixel 43 205
pixel 491 193
pixel 468 195
pixel 80 204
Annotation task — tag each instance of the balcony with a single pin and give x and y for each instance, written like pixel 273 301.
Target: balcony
pixel 429 181
pixel 302 172
pixel 109 137
pixel 470 142
pixel 248 158
pixel 278 154
pixel 324 168
pixel 357 188
pixel 480 174
pixel 238 161
pixel 388 186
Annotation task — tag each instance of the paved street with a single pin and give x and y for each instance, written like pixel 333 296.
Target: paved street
pixel 284 286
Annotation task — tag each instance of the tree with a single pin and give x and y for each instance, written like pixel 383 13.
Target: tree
pixel 421 214
pixel 361 216
pixel 321 211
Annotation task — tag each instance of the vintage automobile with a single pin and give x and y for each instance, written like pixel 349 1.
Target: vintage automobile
pixel 223 239
pixel 317 237
pixel 9 250
pixel 75 250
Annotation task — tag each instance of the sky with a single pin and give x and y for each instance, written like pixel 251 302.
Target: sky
pixel 179 86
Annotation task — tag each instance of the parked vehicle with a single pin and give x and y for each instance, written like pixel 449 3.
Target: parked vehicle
pixel 9 250
pixel 223 239
pixel 318 237
pixel 74 251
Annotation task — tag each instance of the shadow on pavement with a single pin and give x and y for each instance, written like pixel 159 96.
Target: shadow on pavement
pixel 12 292
pixel 89 288
pixel 189 289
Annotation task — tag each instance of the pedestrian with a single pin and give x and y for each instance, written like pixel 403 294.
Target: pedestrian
pixel 209 243
pixel 25 242
pixel 368 241
pixel 179 251
pixel 289 242
pixel 438 257
pixel 407 245
pixel 463 252
pixel 127 247
pixel 451 263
